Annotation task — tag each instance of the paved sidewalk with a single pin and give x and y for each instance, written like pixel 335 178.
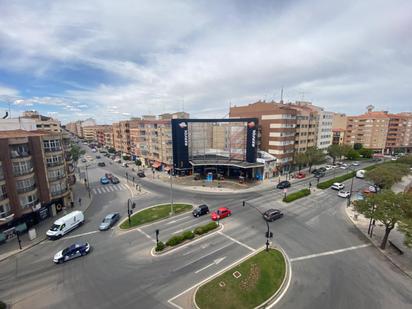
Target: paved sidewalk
pixel 12 247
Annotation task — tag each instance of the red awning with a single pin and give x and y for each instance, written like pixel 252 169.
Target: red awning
pixel 167 168
pixel 156 164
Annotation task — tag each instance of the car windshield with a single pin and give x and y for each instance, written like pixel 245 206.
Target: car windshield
pixel 107 219
pixel 68 249
pixel 55 227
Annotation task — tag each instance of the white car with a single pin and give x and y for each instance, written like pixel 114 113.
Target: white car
pixel 374 189
pixel 344 166
pixel 344 194
pixel 356 163
pixel 328 167
pixel 337 186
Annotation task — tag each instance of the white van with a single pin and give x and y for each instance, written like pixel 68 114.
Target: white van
pixel 360 174
pixel 65 224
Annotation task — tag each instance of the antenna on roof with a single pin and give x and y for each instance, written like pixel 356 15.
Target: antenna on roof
pixel 281 95
pixel 370 108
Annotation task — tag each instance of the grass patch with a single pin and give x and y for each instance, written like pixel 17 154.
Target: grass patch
pixel 296 195
pixel 261 276
pixel 154 213
pixel 326 184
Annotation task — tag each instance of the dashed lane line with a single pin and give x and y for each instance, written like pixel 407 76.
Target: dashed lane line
pixel 311 256
pixel 237 241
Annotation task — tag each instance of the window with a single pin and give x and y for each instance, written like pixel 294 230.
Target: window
pixel 54 161
pixel 25 185
pixel 56 174
pixel 52 145
pixel 28 200
pixel 4 210
pixel 22 168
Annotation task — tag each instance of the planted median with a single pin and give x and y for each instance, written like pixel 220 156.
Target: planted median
pixel 247 285
pixel 326 184
pixel 154 213
pixel 296 195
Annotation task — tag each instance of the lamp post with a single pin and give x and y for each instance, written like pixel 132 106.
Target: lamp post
pixel 171 191
pixel 268 234
pixel 130 209
pixel 87 180
pixel 351 187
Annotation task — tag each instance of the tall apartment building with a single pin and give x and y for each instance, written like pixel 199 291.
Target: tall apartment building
pixel 42 122
pixel 103 131
pixel 307 120
pixel 324 139
pixel 338 128
pixel 78 128
pixel 399 133
pixel 36 172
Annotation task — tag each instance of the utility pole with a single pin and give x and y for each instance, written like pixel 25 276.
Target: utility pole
pixel 171 190
pixel 268 233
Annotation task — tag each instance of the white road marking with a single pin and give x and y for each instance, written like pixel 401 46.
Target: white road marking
pixel 202 247
pixel 98 189
pixel 110 188
pixel 147 235
pixel 83 234
pixel 186 228
pixel 215 262
pixel 174 221
pixel 311 256
pixel 94 191
pixel 237 241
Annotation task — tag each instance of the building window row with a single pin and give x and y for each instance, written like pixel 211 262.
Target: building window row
pixel 26 185
pixel 58 188
pixel 56 174
pixel 28 200
pixel 52 145
pixel 18 151
pixel 5 210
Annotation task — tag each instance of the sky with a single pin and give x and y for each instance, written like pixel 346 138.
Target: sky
pixel 112 60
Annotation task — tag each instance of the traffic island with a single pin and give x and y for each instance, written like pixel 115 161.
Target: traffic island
pixel 154 213
pixel 253 283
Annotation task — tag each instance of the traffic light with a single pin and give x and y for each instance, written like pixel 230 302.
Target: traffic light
pixel 244 203
pixel 269 235
pixel 133 205
pixel 157 232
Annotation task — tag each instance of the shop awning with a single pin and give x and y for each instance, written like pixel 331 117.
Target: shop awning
pixel 156 164
pixel 167 168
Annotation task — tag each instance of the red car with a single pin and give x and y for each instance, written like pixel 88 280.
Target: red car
pixel 300 175
pixel 221 213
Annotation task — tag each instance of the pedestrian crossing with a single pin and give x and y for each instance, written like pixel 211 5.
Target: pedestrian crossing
pixel 109 188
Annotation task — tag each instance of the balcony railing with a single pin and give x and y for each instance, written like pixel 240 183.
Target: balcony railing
pixel 19 154
pixel 53 149
pixel 3 196
pixel 23 172
pixel 31 204
pixel 58 192
pixel 26 189
pixel 60 176
pixel 52 164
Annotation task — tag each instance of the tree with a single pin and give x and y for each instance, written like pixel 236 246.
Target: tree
pixel 300 159
pixel 357 146
pixel 386 175
pixel 314 156
pixel 352 154
pixel 366 153
pixel 76 152
pixel 388 208
pixel 346 149
pixel 335 151
pixel 138 162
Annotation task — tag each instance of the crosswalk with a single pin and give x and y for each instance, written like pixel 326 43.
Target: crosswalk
pixel 109 188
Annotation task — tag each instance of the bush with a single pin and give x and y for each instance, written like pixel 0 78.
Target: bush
pixel 205 228
pixel 326 184
pixel 188 235
pixel 175 240
pixel 160 246
pixel 296 195
pixel 198 230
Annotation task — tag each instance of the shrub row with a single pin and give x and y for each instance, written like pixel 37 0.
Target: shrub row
pixel 296 195
pixel 326 184
pixel 205 228
pixel 177 239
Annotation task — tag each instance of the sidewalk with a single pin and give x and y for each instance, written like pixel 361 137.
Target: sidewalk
pixel 404 261
pixel 11 247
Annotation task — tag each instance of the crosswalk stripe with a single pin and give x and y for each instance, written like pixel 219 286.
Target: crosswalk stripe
pixel 116 188
pixel 110 188
pixel 98 189
pixel 94 191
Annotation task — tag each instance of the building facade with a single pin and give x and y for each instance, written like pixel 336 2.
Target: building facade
pixel 399 138
pixel 42 122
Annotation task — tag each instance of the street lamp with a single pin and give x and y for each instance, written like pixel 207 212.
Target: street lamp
pixel 87 180
pixel 268 234
pixel 351 186
pixel 171 190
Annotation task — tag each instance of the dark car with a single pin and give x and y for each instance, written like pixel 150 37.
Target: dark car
pixel 272 214
pixel 101 164
pixel 71 252
pixel 283 184
pixel 114 180
pixel 98 157
pixel 200 210
pixel 322 169
pixel 141 174
pixel 319 174
pixel 109 221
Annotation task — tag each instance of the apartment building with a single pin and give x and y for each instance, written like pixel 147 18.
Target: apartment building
pixel 339 121
pixel 399 133
pixel 307 120
pixel 42 122
pixel 75 128
pixel 338 136
pixel 324 135
pixel 103 131
pixel 36 172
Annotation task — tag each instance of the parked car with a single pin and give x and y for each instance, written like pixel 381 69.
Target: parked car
pixel 65 224
pixel 329 167
pixel 344 194
pixel 319 174
pixel 114 180
pixel 141 174
pixel 272 214
pixel 356 163
pixel 337 186
pixel 315 171
pixel 200 210
pixel 360 174
pixel 124 164
pixel 374 189
pixel 73 251
pixel 104 180
pixel 300 175
pixel 94 149
pixel 108 176
pixel 283 184
pixel 344 166
pixel 322 169
pixel 221 213
pixel 109 221
pixel 101 164
pixel 84 160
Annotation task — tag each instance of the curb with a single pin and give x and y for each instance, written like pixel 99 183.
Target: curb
pixel 271 301
pixel 390 259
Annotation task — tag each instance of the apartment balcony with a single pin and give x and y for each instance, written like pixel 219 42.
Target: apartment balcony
pixel 27 189
pixel 17 154
pixel 57 177
pixel 59 193
pixel 54 164
pixel 53 149
pixel 18 173
pixel 30 204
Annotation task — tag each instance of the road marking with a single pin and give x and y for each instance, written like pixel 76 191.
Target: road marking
pixel 98 189
pixel 83 234
pixel 215 262
pixel 174 221
pixel 186 228
pixel 202 247
pixel 237 241
pixel 147 235
pixel 311 256
pixel 94 191
pixel 110 188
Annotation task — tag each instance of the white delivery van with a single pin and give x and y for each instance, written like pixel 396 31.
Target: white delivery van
pixel 65 224
pixel 360 174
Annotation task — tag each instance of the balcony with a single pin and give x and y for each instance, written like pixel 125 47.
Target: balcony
pixel 53 164
pixel 14 153
pixel 58 192
pixel 57 177
pixel 53 149
pixel 3 196
pixel 30 204
pixel 18 173
pixel 26 189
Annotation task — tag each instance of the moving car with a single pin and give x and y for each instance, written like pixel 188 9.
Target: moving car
pixel 114 180
pixel 98 157
pixel 356 163
pixel 101 164
pixel 94 149
pixel 200 210
pixel 272 215
pixel 337 186
pixel 374 189
pixel 221 213
pixel 141 174
pixel 109 221
pixel 344 166
pixel 329 167
pixel 283 184
pixel 71 252
pixel 65 224
pixel 344 194
pixel 104 181
pixel 300 175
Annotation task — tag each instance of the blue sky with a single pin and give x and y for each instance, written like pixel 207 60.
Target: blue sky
pixel 115 59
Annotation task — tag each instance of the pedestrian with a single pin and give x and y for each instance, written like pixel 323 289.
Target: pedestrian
pixel 80 201
pixel 310 185
pixel 72 204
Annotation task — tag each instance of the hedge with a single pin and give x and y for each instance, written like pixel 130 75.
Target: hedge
pixel 326 184
pixel 175 240
pixel 160 246
pixel 205 228
pixel 188 235
pixel 296 195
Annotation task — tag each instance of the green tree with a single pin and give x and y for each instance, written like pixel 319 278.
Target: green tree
pixel 366 153
pixel 138 162
pixel 357 146
pixel 314 156
pixel 387 207
pixel 352 154
pixel 346 150
pixel 335 151
pixel 386 175
pixel 300 159
pixel 76 152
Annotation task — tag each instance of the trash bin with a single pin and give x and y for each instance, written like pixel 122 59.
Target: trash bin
pixel 32 234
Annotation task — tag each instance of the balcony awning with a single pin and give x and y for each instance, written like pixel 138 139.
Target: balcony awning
pixel 156 164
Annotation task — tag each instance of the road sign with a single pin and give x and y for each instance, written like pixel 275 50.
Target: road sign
pixel 285 190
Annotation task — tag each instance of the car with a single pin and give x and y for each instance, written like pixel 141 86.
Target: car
pixel 337 186
pixel 315 171
pixel 360 174
pixel 272 214
pixel 356 163
pixel 71 252
pixel 374 189
pixel 344 166
pixel 108 176
pixel 107 155
pixel 104 181
pixel 344 194
pixel 322 169
pixel 329 167
pixel 283 184
pixel 65 224
pixel 319 174
pixel 101 164
pixel 84 160
pixel 109 221
pixel 98 157
pixel 141 174
pixel 300 175
pixel 221 213
pixel 94 149
pixel 114 180
pixel 200 210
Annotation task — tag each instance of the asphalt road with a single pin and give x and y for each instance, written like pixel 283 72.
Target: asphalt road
pixel 120 271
